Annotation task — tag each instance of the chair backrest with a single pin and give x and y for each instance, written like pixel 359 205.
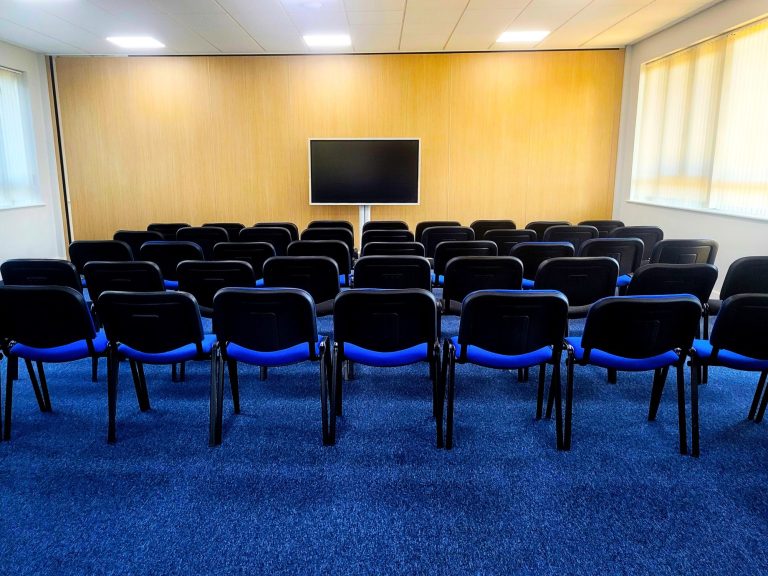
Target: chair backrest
pixel 255 253
pixel 136 276
pixel 393 249
pixel 684 252
pixel 205 237
pixel 167 229
pixel 40 272
pixel 421 226
pixel 44 316
pixel 540 226
pixel 513 322
pixel 135 238
pixel 203 279
pixel 628 252
pixel 336 250
pixel 331 224
pixel 385 225
pixel 445 251
pixel 506 238
pixel 641 326
pixel 385 320
pixel 532 254
pixel 696 279
pixel 650 235
pixel 467 274
pixel 83 251
pixel 576 235
pixel 746 275
pixel 583 280
pixel 741 326
pixel 151 322
pixel 277 236
pixel 265 319
pixel 374 235
pixel 168 254
pixel 318 275
pixel 290 226
pixel 342 234
pixel 605 227
pixel 232 228
pixel 432 236
pixel 482 226
pixel 393 272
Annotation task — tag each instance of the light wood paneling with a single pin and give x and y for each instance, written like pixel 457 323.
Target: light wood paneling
pixel 522 135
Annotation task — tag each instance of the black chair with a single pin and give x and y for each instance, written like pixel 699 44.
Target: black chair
pixel 232 228
pixel 136 276
pixel 135 239
pixel 684 252
pixel 386 328
pixel 748 275
pixel 421 226
pixel 506 238
pixel 290 226
pixel 83 251
pixel 318 275
pixel 149 328
pixel 446 251
pixel 654 279
pixel 576 235
pixel 532 254
pixel 255 253
pixel 583 280
pixel 393 249
pixel 650 235
pixel 40 272
pixel 331 224
pixel 637 334
pixel 167 255
pixel 394 272
pixel 739 341
pixel 168 230
pixel 205 237
pixel 605 227
pixel 482 226
pixel 507 330
pixel 431 237
pixel 267 327
pixel 44 324
pixel 336 250
pixel 540 226
pixel 628 252
pixel 341 234
pixel 278 237
pixel 385 225
pixel 373 235
pixel 203 279
pixel 466 274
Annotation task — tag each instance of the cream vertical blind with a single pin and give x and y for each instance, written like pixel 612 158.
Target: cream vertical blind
pixel 18 169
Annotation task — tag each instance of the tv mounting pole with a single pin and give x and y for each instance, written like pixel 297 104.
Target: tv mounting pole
pixel 364 211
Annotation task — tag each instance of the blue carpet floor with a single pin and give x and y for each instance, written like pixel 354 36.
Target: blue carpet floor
pixel 273 500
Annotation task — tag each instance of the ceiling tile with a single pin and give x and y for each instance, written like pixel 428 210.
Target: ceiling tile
pixel 385 38
pixel 368 18
pixel 371 5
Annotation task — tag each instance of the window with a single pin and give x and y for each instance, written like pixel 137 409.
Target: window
pixel 18 166
pixel 702 126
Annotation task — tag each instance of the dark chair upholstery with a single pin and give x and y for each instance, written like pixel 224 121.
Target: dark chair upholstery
pixel 748 275
pixel 540 226
pixel 576 235
pixel 466 274
pixel 696 279
pixel 336 250
pixel 532 254
pixel 421 226
pixel 341 234
pixel 482 226
pixel 318 275
pixel 205 237
pixel 255 253
pixel 203 279
pixel 167 229
pixel 395 272
pixel 332 224
pixel 373 235
pixel 433 236
pixel 83 251
pixel 506 238
pixel 232 228
pixel 136 238
pixel 583 280
pixel 136 276
pixel 290 226
pixel 385 225
pixel 40 272
pixel 445 251
pixel 650 235
pixel 167 255
pixel 277 236
pixel 628 252
pixel 684 252
pixel 393 249
pixel 605 227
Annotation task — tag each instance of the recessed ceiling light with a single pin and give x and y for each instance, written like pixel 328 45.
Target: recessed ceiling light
pixel 327 40
pixel 523 36
pixel 136 42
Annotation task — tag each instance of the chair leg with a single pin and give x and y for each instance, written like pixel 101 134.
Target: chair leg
pixel 217 397
pixel 8 403
pixel 658 388
pixel 520 375
pixel 144 397
pixel 337 377
pixel 555 384
pixel 234 384
pixel 7 371
pixel 451 391
pixel 438 398
pixel 94 368
pixel 695 410
pixel 568 405
pixel 13 367
pixel 183 372
pixel 758 395
pixel 35 387
pixel 113 370
pixel 262 373
pixel 761 410
pixel 350 369
pixel 681 407
pixel 613 376
pixel 44 387
pixel 174 376
pixel 550 403
pixel 540 390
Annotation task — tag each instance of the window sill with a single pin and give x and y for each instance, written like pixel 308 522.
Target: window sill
pixel 700 211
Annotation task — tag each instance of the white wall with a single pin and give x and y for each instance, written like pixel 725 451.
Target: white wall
pixel 34 231
pixel 737 236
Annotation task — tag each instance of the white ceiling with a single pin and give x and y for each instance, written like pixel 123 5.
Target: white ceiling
pixel 277 26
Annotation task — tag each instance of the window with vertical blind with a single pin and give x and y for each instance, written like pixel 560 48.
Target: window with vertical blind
pixel 701 139
pixel 18 166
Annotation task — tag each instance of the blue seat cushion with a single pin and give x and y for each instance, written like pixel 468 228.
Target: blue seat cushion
pixel 182 354
pixel 74 351
pixel 437 280
pixel 343 280
pixel 260 282
pixel 605 360
pixel 483 357
pixel 527 284
pixel 727 358
pixel 171 284
pixel 623 280
pixel 417 353
pixel 297 353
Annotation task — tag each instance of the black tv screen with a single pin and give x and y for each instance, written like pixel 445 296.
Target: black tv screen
pixel 364 171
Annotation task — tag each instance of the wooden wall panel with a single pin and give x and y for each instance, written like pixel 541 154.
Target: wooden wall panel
pixel 522 135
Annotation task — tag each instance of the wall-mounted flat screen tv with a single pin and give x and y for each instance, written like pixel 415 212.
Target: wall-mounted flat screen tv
pixel 364 171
